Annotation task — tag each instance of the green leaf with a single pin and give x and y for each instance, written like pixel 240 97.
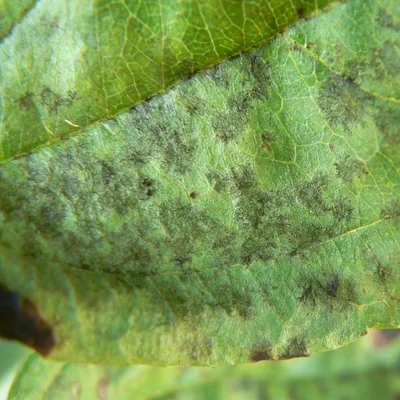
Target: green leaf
pixel 249 213
pixel 355 371
pixel 69 63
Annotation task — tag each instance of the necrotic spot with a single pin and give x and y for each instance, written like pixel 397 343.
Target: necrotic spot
pixel 20 320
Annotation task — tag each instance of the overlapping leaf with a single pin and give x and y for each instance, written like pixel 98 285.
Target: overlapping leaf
pixel 67 63
pixel 355 371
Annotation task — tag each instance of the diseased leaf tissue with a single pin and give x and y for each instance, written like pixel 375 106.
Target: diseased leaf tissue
pixel 249 213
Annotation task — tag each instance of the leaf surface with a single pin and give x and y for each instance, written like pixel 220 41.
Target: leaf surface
pixel 250 213
pixel 68 63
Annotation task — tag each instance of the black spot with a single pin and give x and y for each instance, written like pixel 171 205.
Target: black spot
pixel 193 195
pixel 21 321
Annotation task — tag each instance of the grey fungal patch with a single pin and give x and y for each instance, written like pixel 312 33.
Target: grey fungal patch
pixel 341 101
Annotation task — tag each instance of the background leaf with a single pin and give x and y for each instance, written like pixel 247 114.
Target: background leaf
pixel 250 213
pixel 68 63
pixel 356 371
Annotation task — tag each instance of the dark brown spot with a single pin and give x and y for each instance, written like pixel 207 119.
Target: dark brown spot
pixel 265 139
pixel 331 146
pixel 20 320
pixel 193 195
pixel 149 192
pixel 261 351
pixel 300 11
pixel 260 355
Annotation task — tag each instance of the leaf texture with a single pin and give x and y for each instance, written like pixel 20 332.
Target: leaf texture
pixel 250 213
pixel 68 63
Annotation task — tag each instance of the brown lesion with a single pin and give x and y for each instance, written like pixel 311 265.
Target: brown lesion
pixel 26 101
pixel 266 139
pixel 21 321
pixel 261 352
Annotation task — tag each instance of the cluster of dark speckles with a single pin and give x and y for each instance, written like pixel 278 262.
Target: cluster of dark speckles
pixel 265 215
pixel 342 101
pixel 296 347
pixel 229 124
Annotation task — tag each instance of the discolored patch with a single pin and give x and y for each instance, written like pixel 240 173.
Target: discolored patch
pixel 52 101
pixel 266 139
pixel 27 101
pixel 308 295
pixel 261 352
pixel 348 168
pixel 300 11
pixel 333 285
pixel 259 76
pixel 311 194
pixel 297 347
pixel 392 209
pixel 21 321
pixel 343 209
pixel 387 119
pixel 106 171
pixel 387 20
pixel 341 101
